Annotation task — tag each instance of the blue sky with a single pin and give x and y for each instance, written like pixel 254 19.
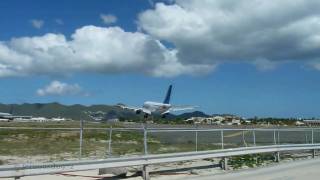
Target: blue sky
pixel 280 85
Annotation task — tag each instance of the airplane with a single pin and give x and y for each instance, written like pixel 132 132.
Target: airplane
pixel 3 115
pixel 6 116
pixel 157 108
pixel 9 116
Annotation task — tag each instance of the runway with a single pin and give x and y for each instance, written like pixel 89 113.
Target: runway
pixel 304 169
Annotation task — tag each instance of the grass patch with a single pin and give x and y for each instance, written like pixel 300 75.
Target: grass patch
pixel 254 160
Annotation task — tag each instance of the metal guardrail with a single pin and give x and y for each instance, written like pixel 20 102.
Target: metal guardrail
pixel 67 166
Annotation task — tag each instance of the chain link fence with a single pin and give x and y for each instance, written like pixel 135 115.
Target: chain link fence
pixel 22 144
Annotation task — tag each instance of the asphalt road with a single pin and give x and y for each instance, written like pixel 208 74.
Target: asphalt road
pixel 305 169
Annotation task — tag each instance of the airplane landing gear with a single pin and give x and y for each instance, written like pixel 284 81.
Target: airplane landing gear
pixel 146 116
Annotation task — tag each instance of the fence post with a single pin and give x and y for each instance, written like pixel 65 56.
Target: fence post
pixel 222 145
pixel 274 137
pixel 145 140
pixel 312 141
pixel 110 141
pixel 279 137
pixel 197 138
pixel 312 136
pixel 243 139
pixel 254 137
pixel 81 138
pixel 145 168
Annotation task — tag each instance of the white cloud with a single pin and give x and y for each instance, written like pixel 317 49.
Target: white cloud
pixel 92 49
pixel 57 88
pixel 204 34
pixel 264 64
pixel 108 18
pixel 37 23
pixel 209 32
pixel 152 2
pixel 59 21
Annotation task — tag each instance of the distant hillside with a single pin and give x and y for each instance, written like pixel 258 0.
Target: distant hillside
pixel 50 110
pixel 193 114
pixel 77 111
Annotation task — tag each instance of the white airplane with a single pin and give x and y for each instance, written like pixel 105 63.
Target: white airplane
pixel 5 114
pixel 158 108
pixel 9 116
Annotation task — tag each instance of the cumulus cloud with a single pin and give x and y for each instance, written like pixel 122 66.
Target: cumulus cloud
pixel 37 23
pixel 57 88
pixel 91 49
pixel 108 18
pixel 259 32
pixel 201 34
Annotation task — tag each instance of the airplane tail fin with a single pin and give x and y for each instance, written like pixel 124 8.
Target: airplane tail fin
pixel 167 99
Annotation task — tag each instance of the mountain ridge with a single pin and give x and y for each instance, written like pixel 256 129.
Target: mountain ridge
pixel 79 111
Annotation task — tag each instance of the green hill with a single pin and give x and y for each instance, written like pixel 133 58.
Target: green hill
pixel 50 110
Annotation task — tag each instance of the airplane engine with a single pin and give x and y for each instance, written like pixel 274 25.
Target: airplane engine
pixel 138 111
pixel 163 116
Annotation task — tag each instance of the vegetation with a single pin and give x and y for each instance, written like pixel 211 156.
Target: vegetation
pixel 254 160
pixel 274 121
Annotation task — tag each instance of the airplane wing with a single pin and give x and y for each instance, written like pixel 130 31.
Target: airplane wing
pixel 182 108
pixel 135 109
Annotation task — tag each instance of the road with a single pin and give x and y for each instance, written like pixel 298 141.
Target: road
pixel 305 169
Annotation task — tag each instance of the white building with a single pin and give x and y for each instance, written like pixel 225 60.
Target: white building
pixel 215 120
pixel 58 119
pixel 312 122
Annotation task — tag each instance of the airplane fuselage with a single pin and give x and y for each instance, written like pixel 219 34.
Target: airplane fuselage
pixel 5 114
pixel 156 107
pixel 10 116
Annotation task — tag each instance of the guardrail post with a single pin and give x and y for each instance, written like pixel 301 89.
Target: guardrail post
pixel 81 139
pixel 254 137
pixel 277 156
pixel 110 141
pixel 225 163
pixel 313 153
pixel 222 145
pixel 145 144
pixel 145 172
